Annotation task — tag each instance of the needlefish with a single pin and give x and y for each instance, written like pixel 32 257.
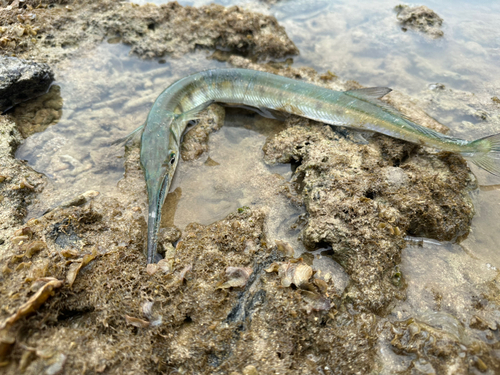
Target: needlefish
pixel 360 109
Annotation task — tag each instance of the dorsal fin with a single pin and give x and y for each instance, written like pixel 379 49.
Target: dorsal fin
pixel 373 94
pixel 369 93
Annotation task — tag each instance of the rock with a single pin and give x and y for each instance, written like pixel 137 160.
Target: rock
pixel 420 18
pixel 21 80
pixel 151 31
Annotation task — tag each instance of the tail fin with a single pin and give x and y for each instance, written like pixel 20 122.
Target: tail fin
pixel 486 153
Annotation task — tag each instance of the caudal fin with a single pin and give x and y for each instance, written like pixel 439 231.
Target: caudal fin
pixel 486 153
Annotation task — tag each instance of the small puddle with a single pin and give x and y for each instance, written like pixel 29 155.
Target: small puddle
pixel 105 96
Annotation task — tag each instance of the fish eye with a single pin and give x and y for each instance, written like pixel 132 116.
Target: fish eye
pixel 172 158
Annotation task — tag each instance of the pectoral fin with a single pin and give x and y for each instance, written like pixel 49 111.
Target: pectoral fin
pixel 128 137
pixel 192 114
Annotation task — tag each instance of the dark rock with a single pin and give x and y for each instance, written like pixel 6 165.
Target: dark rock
pixel 21 80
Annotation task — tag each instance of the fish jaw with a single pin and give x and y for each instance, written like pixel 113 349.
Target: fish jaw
pixel 157 144
pixel 156 197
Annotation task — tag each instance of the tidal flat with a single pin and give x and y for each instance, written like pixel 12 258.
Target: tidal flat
pixel 289 246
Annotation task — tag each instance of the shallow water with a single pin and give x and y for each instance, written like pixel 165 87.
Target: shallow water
pixel 108 94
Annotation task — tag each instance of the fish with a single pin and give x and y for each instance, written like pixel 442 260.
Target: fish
pixel 360 109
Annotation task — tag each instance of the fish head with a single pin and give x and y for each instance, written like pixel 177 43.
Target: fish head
pixel 159 159
pixel 159 153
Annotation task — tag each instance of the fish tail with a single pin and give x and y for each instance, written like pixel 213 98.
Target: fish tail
pixel 485 153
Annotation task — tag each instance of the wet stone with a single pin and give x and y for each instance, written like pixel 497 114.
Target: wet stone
pixel 363 217
pixel 153 31
pixel 437 342
pixel 21 80
pixel 420 18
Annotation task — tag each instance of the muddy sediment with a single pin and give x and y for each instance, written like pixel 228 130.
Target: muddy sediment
pixel 227 298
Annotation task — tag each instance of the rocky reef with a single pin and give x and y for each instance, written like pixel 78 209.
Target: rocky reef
pixel 228 298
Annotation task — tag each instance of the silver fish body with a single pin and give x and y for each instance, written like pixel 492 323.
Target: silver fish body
pixel 359 109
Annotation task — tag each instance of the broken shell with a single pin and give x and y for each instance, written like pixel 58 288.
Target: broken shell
pixel 25 184
pixel 274 267
pixel 151 268
pixel 294 273
pixel 19 239
pixel 34 302
pixel 315 302
pixel 26 231
pixel 69 253
pixel 166 265
pixel 321 284
pixel 75 267
pixel 238 276
pixel 136 322
pixel 147 309
pixel 57 365
pixel 185 270
pixel 72 272
pixel 18 30
pixel 34 247
pixel 285 248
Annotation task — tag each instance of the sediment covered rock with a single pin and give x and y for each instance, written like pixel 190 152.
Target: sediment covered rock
pixel 420 18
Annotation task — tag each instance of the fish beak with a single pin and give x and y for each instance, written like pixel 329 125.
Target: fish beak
pixel 156 198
